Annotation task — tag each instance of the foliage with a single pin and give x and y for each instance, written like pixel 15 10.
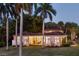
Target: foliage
pixel 64 43
pixel 11 27
pixel 34 24
pixel 50 24
pixel 60 23
pixel 71 26
pixel 2 43
pixel 45 9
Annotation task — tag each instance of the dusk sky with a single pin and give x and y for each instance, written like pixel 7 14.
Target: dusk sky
pixel 66 12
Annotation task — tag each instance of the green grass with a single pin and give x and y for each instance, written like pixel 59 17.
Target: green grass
pixel 38 51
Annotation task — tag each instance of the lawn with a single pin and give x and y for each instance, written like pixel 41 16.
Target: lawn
pixel 38 51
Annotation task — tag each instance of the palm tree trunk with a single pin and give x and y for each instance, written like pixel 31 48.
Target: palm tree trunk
pixel 43 33
pixel 16 32
pixel 21 30
pixel 7 33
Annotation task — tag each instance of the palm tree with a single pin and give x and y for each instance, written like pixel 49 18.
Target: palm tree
pixel 44 10
pixel 16 31
pixel 20 8
pixel 16 11
pixel 5 10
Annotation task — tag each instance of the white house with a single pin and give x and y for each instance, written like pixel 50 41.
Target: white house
pixel 53 37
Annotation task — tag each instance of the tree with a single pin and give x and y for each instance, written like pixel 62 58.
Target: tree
pixel 34 24
pixel 44 10
pixel 25 7
pixel 50 24
pixel 6 12
pixel 72 28
pixel 16 10
pixel 60 23
pixel 20 8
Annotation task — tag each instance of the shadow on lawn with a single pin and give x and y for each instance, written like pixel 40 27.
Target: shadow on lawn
pixel 39 51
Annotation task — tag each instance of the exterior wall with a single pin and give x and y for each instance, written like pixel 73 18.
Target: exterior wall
pixel 35 40
pixel 24 41
pixel 53 40
pixel 50 40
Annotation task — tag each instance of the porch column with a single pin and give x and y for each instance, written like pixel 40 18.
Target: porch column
pixel 66 38
pixel 45 41
pixel 61 40
pixel 28 41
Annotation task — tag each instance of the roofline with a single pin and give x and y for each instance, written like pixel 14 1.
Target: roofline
pixel 41 35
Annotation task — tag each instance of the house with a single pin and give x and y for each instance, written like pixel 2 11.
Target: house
pixel 52 37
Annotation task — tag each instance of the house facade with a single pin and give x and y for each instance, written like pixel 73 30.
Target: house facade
pixel 52 37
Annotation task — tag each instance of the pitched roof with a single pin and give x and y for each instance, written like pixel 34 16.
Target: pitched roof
pixel 52 33
pixel 48 33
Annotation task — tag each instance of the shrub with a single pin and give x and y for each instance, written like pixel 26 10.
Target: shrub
pixel 2 43
pixel 66 44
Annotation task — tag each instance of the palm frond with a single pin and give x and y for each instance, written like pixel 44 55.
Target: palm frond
pixel 52 10
pixel 50 15
pixel 44 9
pixel 38 11
pixel 35 6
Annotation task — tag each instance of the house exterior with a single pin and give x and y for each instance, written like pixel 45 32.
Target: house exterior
pixel 52 37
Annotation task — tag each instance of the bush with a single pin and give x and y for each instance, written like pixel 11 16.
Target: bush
pixel 2 43
pixel 66 44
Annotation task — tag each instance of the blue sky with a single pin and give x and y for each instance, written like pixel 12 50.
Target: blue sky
pixel 66 12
